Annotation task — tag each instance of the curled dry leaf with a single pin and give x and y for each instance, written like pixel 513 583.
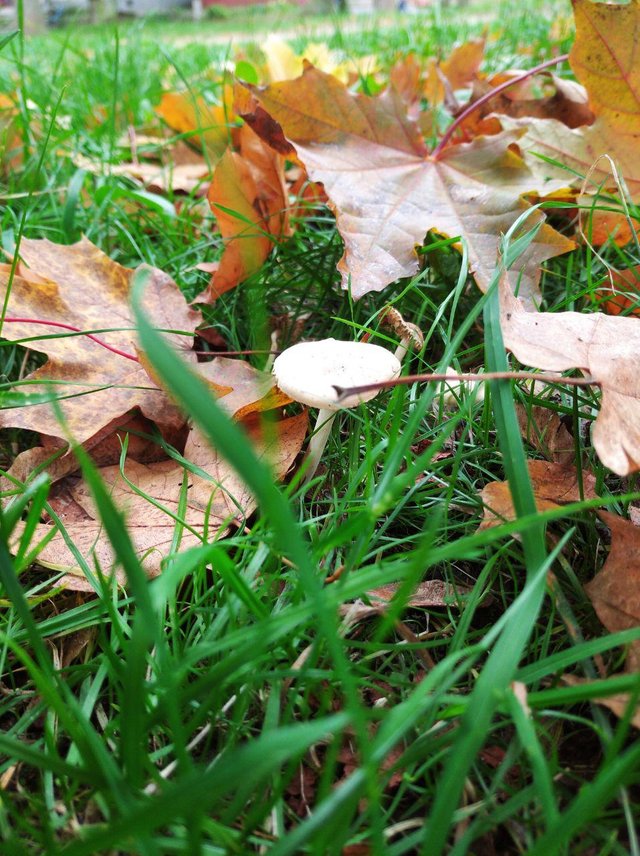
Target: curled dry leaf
pixel 605 347
pixel 615 590
pixel 553 485
pixel 387 191
pixel 248 196
pixel 80 286
pixel 149 495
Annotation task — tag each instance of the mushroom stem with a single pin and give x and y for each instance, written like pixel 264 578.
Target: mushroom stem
pixel 401 351
pixel 318 441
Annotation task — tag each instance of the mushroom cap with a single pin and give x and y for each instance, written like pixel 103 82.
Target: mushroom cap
pixel 307 372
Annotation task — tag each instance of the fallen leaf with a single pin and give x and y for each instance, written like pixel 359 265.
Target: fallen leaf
pixel 618 704
pixel 80 286
pixel 162 178
pixel 151 505
pixel 622 296
pixel 603 59
pixel 546 97
pixel 553 485
pixel 104 448
pixel 207 125
pixel 249 390
pixel 543 429
pixel 605 347
pixel 615 590
pixel 248 196
pixel 10 140
pixel 459 69
pixel 431 593
pixel 387 191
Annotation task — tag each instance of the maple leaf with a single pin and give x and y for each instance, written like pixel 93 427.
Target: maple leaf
pixel 615 590
pixel 248 195
pixel 387 191
pixel 553 485
pixel 603 59
pixel 81 287
pixel 149 495
pixel 606 347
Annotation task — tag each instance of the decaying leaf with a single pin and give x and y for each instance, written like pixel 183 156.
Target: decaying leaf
pixel 248 195
pixel 553 485
pixel 387 191
pixel 80 286
pixel 606 347
pixel 149 495
pixel 615 590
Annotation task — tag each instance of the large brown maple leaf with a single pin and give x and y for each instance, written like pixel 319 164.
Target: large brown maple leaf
pixel 385 188
pixel 79 286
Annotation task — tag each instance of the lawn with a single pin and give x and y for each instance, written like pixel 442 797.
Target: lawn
pixel 365 662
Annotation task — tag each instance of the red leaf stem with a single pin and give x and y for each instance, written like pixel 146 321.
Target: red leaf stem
pixel 453 127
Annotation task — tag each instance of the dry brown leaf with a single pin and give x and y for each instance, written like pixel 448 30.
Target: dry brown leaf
pixel 248 196
pixel 615 590
pixel 553 485
pixel 105 448
pixel 213 503
pixel 387 191
pixel 79 285
pixel 618 704
pixel 564 100
pixel 431 593
pixel 543 429
pixel 606 347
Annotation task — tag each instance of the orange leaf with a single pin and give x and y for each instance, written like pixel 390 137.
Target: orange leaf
pixel 249 198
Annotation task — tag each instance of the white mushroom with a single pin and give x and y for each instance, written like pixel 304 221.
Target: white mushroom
pixel 308 372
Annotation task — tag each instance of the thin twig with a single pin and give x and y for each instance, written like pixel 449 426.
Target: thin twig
pixel 345 392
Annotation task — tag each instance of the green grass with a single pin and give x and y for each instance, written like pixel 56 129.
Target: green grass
pixel 226 707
